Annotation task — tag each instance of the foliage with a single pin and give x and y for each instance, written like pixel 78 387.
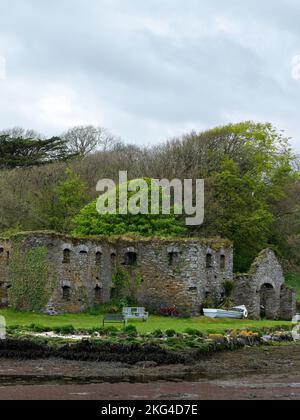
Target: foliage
pixel 68 197
pixel 90 222
pixel 25 152
pixel 130 329
pixel 209 303
pixel 252 189
pixel 228 287
pixel 293 281
pixel 31 279
pixel 126 286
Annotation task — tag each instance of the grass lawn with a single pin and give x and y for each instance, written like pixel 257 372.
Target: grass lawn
pixel 86 321
pixel 293 280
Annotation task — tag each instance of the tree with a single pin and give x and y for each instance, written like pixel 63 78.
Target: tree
pixel 67 199
pixel 17 152
pixel 90 222
pixel 83 140
pixel 19 132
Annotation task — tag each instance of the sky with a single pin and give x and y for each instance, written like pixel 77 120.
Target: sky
pixel 148 70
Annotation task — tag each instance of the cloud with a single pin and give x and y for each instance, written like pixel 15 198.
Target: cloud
pixel 296 67
pixel 149 70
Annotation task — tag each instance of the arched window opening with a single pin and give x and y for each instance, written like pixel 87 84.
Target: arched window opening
pixel 98 258
pixel 209 261
pixel 67 256
pixel 222 262
pixel 173 258
pixel 66 293
pixel 131 259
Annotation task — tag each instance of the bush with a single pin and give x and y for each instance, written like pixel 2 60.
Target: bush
pixel 39 328
pixel 157 334
pixel 131 330
pixel 193 332
pixel 95 310
pixel 65 330
pixel 171 333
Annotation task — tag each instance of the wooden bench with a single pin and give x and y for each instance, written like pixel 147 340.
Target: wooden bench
pixel 135 313
pixel 114 318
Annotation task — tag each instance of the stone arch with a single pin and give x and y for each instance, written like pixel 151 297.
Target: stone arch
pixel 83 250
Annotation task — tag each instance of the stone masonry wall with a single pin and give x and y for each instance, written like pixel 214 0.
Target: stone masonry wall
pixel 176 272
pixel 4 266
pixel 261 290
pixel 171 272
pixel 288 304
pixel 184 273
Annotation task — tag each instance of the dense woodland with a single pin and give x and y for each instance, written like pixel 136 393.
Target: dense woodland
pixel 251 176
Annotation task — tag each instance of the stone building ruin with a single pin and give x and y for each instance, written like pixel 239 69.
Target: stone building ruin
pixel 164 272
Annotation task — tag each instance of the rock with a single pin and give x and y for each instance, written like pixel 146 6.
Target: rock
pixel 146 365
pixel 267 338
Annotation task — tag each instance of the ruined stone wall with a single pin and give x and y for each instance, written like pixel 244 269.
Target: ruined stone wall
pixel 5 250
pixel 176 272
pixel 288 304
pixel 82 271
pixel 169 272
pixel 261 290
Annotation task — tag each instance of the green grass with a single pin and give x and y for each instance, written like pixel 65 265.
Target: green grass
pixel 293 280
pixel 86 321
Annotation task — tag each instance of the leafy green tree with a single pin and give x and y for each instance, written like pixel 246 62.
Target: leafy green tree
pixel 90 222
pixel 25 152
pixel 68 198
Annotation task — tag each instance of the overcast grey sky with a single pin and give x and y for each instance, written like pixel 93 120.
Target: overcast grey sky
pixel 149 69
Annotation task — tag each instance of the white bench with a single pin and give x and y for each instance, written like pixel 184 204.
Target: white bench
pixel 135 313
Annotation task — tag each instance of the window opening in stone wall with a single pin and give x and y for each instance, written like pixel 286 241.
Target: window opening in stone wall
pixel 66 293
pixel 209 261
pixel 67 256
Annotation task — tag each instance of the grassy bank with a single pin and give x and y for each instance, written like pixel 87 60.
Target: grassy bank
pixel 86 321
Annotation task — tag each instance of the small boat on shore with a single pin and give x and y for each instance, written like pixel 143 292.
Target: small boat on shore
pixel 238 312
pixel 296 318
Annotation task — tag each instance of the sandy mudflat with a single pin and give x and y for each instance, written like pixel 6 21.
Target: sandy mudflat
pixel 251 373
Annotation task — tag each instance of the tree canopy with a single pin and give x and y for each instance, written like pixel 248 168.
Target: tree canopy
pixel 252 193
pixel 90 222
pixel 17 152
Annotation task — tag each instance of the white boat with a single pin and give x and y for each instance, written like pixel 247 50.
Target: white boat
pixel 296 318
pixel 239 312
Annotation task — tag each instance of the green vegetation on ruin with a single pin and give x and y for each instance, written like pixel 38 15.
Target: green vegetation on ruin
pixel 293 281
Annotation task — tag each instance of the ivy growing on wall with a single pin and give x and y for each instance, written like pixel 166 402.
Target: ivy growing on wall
pixel 126 285
pixel 31 279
